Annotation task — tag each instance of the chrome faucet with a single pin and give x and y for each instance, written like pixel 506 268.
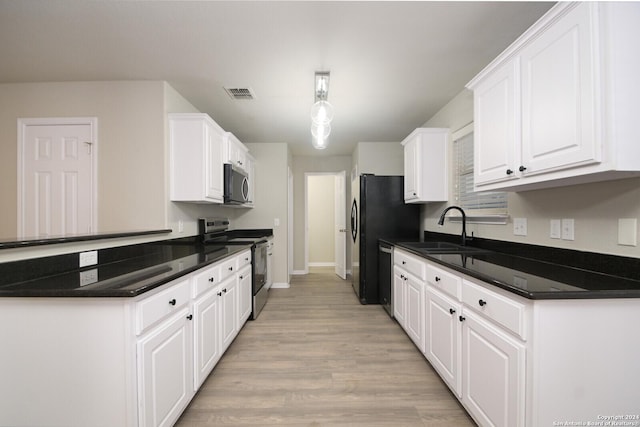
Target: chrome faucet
pixel 464 221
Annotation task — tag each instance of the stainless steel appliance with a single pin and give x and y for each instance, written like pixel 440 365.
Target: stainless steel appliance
pixel 213 231
pixel 378 211
pixel 236 185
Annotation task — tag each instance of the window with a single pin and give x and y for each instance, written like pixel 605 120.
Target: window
pixel 495 201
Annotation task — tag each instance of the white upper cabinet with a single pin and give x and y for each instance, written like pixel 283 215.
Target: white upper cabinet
pixel 553 108
pixel 196 150
pixel 426 166
pixel 235 152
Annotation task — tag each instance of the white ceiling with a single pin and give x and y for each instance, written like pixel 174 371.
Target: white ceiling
pixel 393 64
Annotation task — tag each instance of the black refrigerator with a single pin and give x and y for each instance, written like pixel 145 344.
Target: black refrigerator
pixel 377 211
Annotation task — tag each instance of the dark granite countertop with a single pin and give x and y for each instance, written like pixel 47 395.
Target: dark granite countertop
pixel 126 271
pixel 14 242
pixel 536 278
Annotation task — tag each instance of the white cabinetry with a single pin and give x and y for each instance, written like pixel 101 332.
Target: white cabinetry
pixel 426 165
pixel 473 337
pixel 165 355
pixel 196 150
pixel 245 290
pixel 165 371
pixel 493 373
pixel 443 338
pixel 409 295
pixel 399 298
pixel 125 361
pixel 414 325
pixel 235 152
pixel 552 109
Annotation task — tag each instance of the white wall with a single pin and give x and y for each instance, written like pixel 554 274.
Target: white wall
pixel 379 158
pixel 130 146
pixel 321 219
pixel 595 207
pixel 271 199
pixel 300 166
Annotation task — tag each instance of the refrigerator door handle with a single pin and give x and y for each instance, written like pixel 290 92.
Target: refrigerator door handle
pixel 354 220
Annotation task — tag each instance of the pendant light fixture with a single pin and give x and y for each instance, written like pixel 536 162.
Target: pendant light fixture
pixel 321 111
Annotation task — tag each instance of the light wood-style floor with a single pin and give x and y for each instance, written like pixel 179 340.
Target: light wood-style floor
pixel 317 357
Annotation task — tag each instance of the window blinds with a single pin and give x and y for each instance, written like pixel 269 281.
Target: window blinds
pixel 465 196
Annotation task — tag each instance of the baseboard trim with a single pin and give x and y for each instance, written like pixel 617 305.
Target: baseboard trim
pixel 279 285
pixel 322 264
pixel 299 272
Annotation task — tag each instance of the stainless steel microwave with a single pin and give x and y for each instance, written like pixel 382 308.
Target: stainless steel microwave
pixel 236 185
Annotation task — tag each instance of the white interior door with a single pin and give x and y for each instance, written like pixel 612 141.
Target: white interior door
pixel 56 177
pixel 340 225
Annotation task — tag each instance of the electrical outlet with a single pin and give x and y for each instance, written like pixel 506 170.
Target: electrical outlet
pixel 88 258
pixel 180 226
pixel 520 226
pixel 628 231
pixel 276 222
pixel 567 229
pixel 555 228
pixel 88 277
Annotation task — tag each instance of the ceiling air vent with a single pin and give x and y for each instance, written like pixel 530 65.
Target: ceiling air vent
pixel 240 93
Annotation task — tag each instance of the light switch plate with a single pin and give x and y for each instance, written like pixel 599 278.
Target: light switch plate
pixel 628 231
pixel 555 228
pixel 568 232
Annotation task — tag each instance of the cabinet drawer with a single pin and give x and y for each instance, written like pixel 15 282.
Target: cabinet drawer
pixel 206 280
pixel 444 281
pixel 410 263
pixel 244 259
pixel 502 310
pixel 150 310
pixel 228 267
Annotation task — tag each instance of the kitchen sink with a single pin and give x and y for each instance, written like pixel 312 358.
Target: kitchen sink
pixel 440 248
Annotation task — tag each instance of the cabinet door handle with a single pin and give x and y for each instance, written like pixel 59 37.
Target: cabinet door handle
pixel 211 279
pixel 462 318
pixel 482 303
pixel 190 317
pixel 230 268
pixel 522 168
pixel 437 279
pixel 219 294
pixel 404 262
pixel 451 311
pixel 224 290
pixel 509 171
pixel 241 277
pixel 172 302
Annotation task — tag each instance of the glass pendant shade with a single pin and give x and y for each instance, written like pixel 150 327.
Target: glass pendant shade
pixel 320 130
pixel 322 112
pixel 319 143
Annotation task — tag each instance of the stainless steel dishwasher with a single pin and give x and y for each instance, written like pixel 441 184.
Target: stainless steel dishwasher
pixel 385 276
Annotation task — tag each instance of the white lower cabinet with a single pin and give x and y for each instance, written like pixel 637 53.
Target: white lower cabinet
pixel 415 310
pixel 493 366
pixel 206 314
pixel 472 336
pixel 245 294
pixel 228 291
pixel 165 371
pixel 399 299
pixel 516 362
pixel 444 337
